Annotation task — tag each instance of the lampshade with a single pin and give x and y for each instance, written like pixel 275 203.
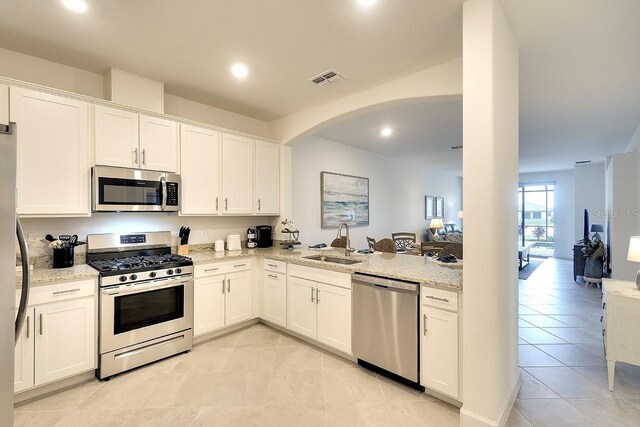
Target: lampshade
pixel 634 249
pixel 459 214
pixel 436 223
pixel 597 228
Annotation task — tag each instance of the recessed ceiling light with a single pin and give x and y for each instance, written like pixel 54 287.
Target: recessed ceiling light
pixel 240 70
pixel 77 6
pixel 386 132
pixel 367 3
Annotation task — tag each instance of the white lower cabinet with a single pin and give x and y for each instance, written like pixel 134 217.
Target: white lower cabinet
pixel 23 366
pixel 57 341
pixel 302 307
pixel 222 299
pixel 238 302
pixel 208 304
pixel 439 350
pixel 320 311
pixel 275 298
pixel 334 316
pixel 65 339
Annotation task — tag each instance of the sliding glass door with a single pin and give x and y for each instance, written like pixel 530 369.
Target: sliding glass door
pixel 535 215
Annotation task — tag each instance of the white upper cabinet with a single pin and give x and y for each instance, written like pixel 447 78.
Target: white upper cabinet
pixel 116 137
pixel 237 174
pixel 267 178
pixel 158 144
pixel 53 154
pixel 200 159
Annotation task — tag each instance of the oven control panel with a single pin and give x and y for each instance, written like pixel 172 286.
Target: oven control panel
pixel 127 239
pixel 179 273
pixel 172 193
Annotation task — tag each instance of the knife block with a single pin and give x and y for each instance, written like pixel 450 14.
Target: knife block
pixel 183 250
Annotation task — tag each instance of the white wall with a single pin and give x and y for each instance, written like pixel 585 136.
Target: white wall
pixel 623 205
pixel 589 193
pixel 563 208
pixel 31 69
pixel 491 376
pixel 219 227
pixel 396 190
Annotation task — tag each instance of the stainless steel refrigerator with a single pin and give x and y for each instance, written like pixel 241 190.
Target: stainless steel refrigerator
pixel 10 322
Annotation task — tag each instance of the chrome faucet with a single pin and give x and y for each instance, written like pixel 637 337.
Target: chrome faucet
pixel 347 248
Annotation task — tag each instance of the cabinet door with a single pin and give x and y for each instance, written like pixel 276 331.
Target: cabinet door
pixel 158 144
pixel 23 363
pixel 238 298
pixel 208 304
pixel 237 174
pixel 116 137
pixel 275 298
pixel 301 306
pixel 65 339
pixel 334 317
pixel 200 162
pixel 53 162
pixel 439 364
pixel 267 179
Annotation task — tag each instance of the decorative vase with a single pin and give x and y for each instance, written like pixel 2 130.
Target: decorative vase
pixel 593 268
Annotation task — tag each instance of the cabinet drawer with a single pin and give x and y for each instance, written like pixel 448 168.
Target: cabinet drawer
pixel 275 266
pixel 330 277
pixel 439 298
pixel 60 292
pixel 223 267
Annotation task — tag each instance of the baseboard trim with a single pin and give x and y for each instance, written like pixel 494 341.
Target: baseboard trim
pixel 26 396
pixel 470 419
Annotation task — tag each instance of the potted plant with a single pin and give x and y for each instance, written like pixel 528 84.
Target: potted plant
pixel 594 250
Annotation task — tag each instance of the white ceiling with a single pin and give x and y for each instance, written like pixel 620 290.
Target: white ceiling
pixel 579 91
pixel 424 131
pixel 579 62
pixel 190 45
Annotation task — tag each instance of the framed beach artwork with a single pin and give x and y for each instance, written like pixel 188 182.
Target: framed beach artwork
pixel 344 198
pixel 439 207
pixel 429 206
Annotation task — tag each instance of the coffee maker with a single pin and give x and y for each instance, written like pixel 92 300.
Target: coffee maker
pixel 263 234
pixel 252 238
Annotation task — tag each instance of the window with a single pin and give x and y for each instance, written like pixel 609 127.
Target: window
pixel 535 214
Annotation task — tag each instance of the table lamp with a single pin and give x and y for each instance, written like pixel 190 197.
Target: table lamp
pixel 634 254
pixel 597 228
pixel 436 223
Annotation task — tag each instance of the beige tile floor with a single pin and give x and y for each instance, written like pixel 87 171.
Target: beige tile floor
pixel 564 374
pixel 255 377
pixel 259 376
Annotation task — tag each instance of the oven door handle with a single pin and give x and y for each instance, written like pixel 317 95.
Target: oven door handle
pixel 163 183
pixel 122 290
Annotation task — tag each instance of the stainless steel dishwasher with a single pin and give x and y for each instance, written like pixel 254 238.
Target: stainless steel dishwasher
pixel 385 325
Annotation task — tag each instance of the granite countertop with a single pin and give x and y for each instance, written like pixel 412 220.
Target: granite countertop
pixel 396 266
pixel 42 276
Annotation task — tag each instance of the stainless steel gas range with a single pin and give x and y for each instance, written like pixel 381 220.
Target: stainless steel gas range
pixel 146 299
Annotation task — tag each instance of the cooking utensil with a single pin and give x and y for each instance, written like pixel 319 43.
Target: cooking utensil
pixel 64 237
pixel 73 240
pixel 49 238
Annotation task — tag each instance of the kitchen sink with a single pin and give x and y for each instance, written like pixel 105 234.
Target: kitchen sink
pixel 333 259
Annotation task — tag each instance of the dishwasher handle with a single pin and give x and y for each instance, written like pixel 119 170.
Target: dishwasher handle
pixel 385 283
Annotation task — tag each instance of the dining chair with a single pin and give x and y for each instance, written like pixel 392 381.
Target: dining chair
pixel 385 245
pixel 404 240
pixel 371 241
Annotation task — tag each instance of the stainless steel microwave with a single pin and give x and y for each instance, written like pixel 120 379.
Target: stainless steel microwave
pixel 134 190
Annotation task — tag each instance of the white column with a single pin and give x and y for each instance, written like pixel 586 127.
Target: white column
pixel 490 119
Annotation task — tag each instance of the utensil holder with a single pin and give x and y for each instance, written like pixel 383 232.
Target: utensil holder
pixel 63 257
pixel 183 250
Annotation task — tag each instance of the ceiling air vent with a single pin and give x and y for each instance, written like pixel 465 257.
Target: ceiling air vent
pixel 328 76
pixel 583 162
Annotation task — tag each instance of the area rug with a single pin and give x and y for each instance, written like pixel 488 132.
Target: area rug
pixel 533 264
